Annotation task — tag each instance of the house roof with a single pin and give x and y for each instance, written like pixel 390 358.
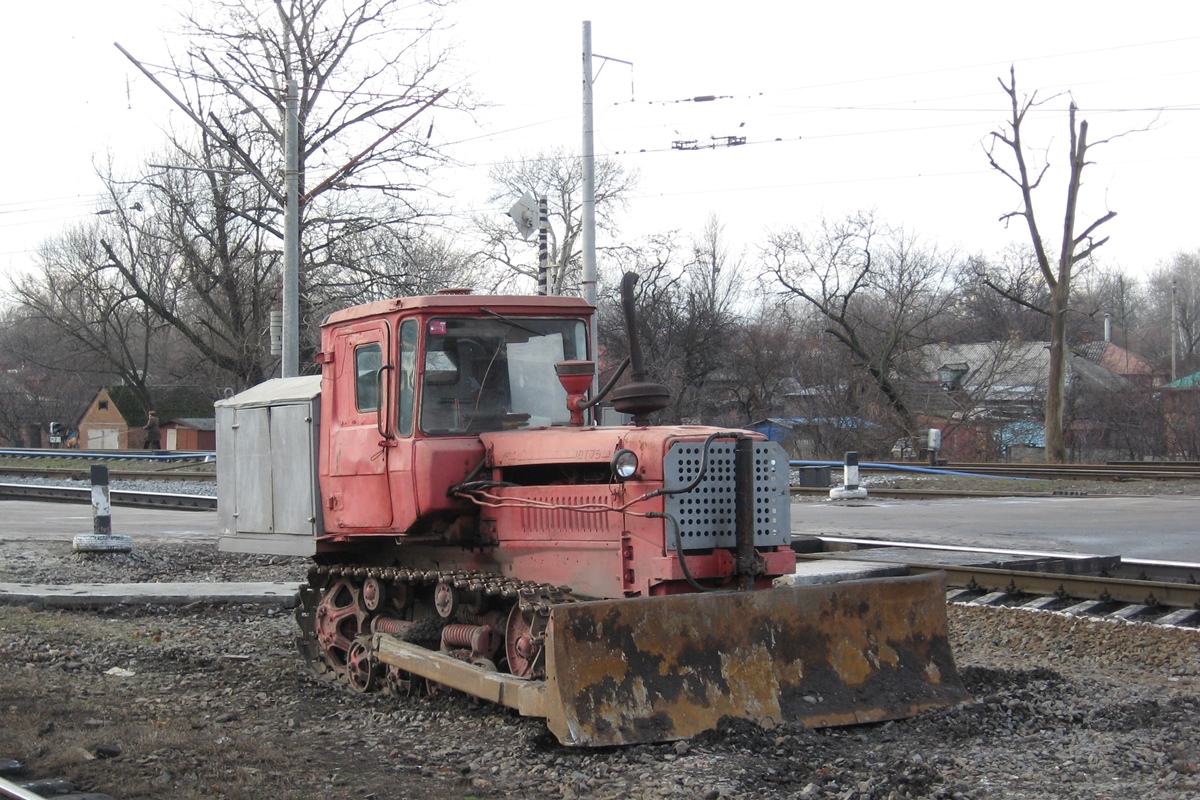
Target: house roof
pixel 1000 371
pixel 797 422
pixel 1116 359
pixel 195 423
pixel 1186 382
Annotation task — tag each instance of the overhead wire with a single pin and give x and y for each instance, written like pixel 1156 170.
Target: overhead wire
pixel 766 97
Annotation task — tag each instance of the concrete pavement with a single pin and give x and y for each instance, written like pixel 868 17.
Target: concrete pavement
pixel 99 595
pixel 1159 528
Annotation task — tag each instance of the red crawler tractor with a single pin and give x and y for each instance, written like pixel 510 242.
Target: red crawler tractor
pixel 469 528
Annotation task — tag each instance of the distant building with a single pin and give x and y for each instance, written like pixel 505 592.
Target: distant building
pixel 115 417
pixel 102 426
pixel 988 398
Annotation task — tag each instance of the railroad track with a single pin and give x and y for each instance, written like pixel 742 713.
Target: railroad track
pixel 117 497
pixel 150 456
pixel 1165 593
pixel 1120 471
pixel 82 473
pixel 947 494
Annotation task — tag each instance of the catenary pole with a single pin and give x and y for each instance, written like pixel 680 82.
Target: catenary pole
pixel 290 366
pixel 589 192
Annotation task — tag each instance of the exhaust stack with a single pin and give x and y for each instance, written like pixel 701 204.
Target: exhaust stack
pixel 638 398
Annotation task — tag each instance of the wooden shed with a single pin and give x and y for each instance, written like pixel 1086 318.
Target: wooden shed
pixel 102 425
pixel 189 433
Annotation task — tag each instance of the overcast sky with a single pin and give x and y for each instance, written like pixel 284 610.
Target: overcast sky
pixel 844 106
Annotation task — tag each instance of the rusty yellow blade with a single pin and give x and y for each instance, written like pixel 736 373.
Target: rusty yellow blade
pixel 656 669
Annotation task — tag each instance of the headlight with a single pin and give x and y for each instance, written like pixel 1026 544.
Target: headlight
pixel 624 464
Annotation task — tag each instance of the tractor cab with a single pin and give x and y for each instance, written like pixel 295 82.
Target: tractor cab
pixel 409 384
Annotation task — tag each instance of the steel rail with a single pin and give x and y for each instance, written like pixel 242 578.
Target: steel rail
pixel 1151 593
pixel 83 473
pixel 169 456
pixel 11 790
pixel 1084 587
pixel 945 494
pixel 118 497
pixel 1136 471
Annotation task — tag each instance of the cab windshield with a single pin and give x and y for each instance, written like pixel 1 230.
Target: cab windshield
pixel 496 373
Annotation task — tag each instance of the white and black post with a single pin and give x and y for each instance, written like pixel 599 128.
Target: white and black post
pixel 101 539
pixel 543 245
pixel 849 490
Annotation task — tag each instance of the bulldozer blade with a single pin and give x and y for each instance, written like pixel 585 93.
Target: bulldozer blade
pixel 664 668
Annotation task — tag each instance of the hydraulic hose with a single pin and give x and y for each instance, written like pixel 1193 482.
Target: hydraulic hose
pixel 687 573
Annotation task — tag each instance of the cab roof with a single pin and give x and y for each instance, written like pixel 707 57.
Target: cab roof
pixel 457 304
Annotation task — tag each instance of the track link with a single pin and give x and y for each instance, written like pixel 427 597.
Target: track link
pixel 533 599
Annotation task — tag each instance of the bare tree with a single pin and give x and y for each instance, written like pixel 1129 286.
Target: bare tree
pixel 556 175
pixel 397 262
pixel 92 311
pixel 1005 297
pixel 44 377
pixel 881 293
pixel 687 298
pixel 842 406
pixel 1074 247
pixel 365 71
pixel 1174 290
pixel 763 356
pixel 1112 298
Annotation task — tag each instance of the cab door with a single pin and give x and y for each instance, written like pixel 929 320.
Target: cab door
pixel 359 386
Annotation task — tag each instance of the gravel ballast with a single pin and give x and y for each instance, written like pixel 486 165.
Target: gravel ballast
pixel 212 701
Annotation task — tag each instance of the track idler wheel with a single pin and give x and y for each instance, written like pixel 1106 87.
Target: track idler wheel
pixel 523 642
pixel 362 670
pixel 445 600
pixel 339 622
pixel 373 594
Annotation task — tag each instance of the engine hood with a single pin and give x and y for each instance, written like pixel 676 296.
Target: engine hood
pixel 591 445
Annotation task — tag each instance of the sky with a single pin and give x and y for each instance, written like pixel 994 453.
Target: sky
pixel 844 107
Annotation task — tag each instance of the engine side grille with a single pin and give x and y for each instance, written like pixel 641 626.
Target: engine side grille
pixel 565 520
pixel 706 514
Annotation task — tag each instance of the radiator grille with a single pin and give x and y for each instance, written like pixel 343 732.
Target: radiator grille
pixel 564 520
pixel 706 514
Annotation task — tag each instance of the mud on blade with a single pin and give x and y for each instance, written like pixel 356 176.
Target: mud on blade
pixel 656 669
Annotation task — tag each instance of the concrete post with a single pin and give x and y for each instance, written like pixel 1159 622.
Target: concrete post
pixel 101 539
pixel 101 505
pixel 849 490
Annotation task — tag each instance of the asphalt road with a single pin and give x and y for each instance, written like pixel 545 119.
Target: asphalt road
pixel 31 519
pixel 1165 528
pixel 1161 528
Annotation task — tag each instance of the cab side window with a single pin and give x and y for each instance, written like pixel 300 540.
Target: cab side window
pixel 408 377
pixel 368 359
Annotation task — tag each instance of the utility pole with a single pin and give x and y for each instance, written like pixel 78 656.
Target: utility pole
pixel 589 194
pixel 1174 327
pixel 290 365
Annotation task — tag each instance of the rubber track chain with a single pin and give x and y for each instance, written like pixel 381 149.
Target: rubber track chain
pixel 537 597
